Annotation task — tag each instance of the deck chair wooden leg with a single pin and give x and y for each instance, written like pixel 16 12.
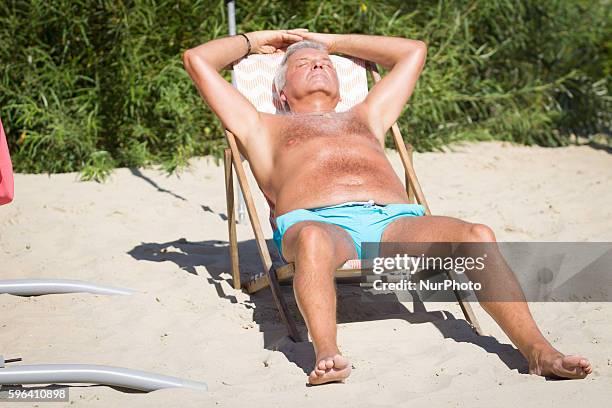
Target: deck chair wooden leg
pixel 466 308
pixel 410 188
pixel 231 218
pixel 260 240
pixel 281 305
pixel 410 191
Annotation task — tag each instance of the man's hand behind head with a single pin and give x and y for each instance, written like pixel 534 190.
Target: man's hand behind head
pixel 271 41
pixel 328 40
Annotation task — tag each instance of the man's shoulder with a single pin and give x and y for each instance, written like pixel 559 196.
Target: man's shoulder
pixel 361 114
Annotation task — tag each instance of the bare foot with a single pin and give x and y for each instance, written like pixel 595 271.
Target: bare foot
pixel 329 369
pixel 551 363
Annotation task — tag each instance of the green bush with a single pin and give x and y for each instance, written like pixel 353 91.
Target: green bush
pixel 88 85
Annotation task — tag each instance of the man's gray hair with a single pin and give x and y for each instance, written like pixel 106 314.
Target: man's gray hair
pixel 281 72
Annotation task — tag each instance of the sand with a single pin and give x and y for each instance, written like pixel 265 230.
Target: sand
pixel 166 237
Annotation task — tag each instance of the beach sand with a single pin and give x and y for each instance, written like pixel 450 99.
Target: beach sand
pixel 166 237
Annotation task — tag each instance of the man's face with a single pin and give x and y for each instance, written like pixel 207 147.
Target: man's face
pixel 309 71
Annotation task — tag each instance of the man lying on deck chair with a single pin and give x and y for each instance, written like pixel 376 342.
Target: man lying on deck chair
pixel 331 182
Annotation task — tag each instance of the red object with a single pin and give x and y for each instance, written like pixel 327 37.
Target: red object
pixel 6 170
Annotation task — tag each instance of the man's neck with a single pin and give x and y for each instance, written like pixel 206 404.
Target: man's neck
pixel 314 106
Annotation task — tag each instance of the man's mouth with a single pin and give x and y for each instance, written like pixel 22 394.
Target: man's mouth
pixel 316 74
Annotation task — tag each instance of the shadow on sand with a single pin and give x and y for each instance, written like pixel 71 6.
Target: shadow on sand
pixel 352 307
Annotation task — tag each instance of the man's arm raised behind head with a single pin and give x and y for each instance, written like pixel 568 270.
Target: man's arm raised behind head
pixel 204 62
pixel 405 59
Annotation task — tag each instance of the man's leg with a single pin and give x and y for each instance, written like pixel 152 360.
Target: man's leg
pixel 318 249
pixel 513 317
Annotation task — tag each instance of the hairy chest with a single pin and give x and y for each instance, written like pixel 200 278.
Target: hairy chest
pixel 297 131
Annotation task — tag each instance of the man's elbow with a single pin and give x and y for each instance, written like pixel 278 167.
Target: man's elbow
pixel 415 50
pixel 422 51
pixel 194 60
pixel 191 55
pixel 418 47
pixel 187 56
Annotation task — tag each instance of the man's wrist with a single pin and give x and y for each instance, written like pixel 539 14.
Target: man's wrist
pixel 336 43
pixel 248 44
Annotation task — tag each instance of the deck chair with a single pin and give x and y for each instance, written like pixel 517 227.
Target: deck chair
pixel 254 79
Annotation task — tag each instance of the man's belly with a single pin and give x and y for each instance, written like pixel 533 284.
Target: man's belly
pixel 332 176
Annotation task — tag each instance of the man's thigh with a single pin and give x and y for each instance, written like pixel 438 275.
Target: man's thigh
pixel 425 229
pixel 428 228
pixel 332 237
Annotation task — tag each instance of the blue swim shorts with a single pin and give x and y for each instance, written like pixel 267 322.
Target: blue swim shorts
pixel 364 221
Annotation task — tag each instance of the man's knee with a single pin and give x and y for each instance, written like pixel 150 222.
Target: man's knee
pixel 480 233
pixel 314 251
pixel 312 239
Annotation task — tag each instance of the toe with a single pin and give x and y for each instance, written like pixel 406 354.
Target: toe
pixel 331 369
pixel 340 362
pixel 574 367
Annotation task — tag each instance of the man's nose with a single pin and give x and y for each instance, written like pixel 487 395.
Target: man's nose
pixel 317 64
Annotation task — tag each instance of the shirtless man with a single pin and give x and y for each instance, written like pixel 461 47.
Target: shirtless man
pixel 331 182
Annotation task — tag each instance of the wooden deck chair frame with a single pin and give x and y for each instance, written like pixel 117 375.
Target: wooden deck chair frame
pixel 272 275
